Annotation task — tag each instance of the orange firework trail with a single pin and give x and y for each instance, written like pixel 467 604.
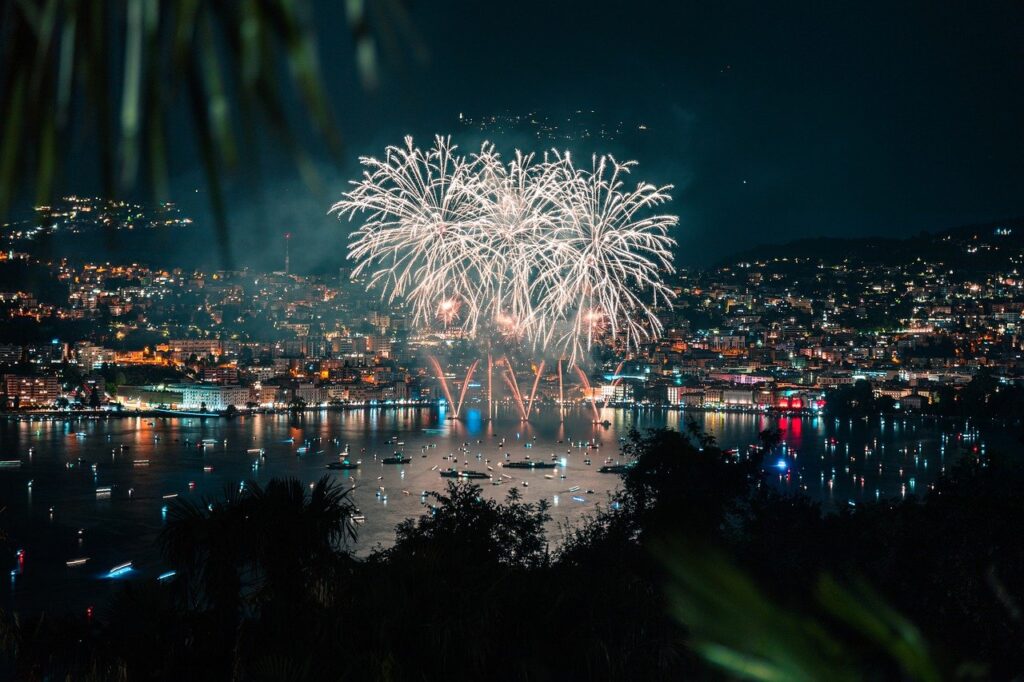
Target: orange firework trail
pixel 444 383
pixel 465 385
pixel 533 391
pixel 514 385
pixel 590 392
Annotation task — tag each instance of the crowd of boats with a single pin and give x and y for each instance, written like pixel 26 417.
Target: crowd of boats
pixel 505 460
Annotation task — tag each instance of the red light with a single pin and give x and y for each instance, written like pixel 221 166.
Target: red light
pixel 796 403
pixel 784 403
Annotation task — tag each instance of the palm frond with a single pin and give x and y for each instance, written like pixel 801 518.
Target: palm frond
pixel 115 73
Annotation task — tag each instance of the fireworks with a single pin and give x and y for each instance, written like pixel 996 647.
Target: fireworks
pixel 543 252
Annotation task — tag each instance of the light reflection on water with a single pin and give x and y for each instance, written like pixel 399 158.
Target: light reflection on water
pixel 60 517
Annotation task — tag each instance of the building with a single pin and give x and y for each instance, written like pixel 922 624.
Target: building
pixel 311 393
pixel 147 397
pixel 211 396
pixel 91 356
pixel 10 354
pixel 30 391
pixel 223 374
pixel 738 397
pixel 184 348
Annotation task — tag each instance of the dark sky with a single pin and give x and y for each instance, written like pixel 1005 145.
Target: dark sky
pixel 774 120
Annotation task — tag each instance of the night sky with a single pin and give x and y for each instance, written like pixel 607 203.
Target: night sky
pixel 773 120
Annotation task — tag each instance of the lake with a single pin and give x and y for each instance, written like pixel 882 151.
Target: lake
pixel 77 493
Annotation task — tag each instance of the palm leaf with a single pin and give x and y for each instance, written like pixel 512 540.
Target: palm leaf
pixel 128 65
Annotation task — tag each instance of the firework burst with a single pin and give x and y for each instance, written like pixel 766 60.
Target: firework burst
pixel 542 252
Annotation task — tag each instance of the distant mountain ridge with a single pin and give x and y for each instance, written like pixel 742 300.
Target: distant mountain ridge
pixel 983 245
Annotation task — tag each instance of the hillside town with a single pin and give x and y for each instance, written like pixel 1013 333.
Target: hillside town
pixel 761 333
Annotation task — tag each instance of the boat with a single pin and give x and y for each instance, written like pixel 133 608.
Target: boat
pixel 208 441
pixel 254 451
pixel 72 563
pixel 615 469
pixel 10 463
pixel 396 458
pixel 530 464
pixel 468 473
pixel 344 465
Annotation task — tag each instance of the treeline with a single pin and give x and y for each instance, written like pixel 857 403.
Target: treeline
pixel 695 569
pixel 983 397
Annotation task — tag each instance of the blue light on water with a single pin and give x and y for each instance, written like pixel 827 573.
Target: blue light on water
pixel 474 421
pixel 166 575
pixel 781 465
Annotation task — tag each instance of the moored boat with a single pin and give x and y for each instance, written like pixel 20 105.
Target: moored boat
pixel 344 465
pixel 530 464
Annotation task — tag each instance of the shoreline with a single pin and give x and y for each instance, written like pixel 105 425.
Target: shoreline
pixel 93 414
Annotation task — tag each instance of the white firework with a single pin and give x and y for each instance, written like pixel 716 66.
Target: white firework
pixel 611 253
pixel 540 252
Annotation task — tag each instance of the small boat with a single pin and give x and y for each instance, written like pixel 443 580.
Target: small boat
pixel 344 465
pixel 208 441
pixel 397 458
pixel 73 563
pixel 615 469
pixel 468 473
pixel 254 451
pixel 530 464
pixel 10 463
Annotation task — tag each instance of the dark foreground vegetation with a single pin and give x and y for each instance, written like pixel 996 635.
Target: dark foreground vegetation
pixel 694 571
